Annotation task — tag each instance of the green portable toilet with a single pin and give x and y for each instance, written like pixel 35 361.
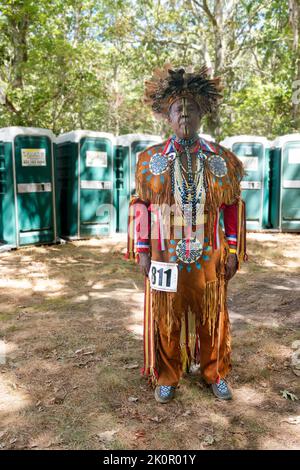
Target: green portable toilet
pixel 128 148
pixel 84 161
pixel 254 152
pixel 285 183
pixel 27 186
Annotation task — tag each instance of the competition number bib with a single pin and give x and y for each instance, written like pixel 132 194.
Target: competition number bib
pixel 163 276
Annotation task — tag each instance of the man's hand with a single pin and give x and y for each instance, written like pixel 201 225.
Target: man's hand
pixel 144 263
pixel 231 266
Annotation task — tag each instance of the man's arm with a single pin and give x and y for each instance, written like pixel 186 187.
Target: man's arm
pixel 143 234
pixel 138 244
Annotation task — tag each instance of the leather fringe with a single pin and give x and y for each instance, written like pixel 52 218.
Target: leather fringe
pixel 188 339
pixel 164 311
pixel 241 235
pixel 210 306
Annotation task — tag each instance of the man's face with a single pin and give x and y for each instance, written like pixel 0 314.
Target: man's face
pixel 184 118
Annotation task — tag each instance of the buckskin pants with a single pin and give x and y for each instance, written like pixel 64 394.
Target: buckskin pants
pixel 212 362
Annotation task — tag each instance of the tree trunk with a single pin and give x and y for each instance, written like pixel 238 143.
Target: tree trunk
pixel 294 16
pixel 217 21
pixel 18 33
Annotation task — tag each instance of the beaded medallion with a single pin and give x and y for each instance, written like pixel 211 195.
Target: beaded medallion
pixel 189 254
pixel 217 165
pixel 158 164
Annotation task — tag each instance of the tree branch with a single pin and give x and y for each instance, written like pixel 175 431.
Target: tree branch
pixel 248 22
pixel 9 105
pixel 206 9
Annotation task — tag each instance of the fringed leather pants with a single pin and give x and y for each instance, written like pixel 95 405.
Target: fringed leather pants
pixel 214 359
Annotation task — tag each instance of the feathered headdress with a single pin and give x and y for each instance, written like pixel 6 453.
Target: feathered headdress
pixel 167 85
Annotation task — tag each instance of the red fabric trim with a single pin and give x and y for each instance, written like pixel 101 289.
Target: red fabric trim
pixel 230 219
pixel 142 250
pixel 167 145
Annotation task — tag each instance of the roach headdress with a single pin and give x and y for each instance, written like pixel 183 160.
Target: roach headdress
pixel 167 85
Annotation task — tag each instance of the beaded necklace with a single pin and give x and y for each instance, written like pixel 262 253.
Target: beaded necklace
pixel 189 192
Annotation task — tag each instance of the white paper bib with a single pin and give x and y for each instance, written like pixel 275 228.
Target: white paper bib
pixel 163 276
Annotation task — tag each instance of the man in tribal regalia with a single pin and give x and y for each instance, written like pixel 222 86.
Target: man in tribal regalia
pixel 183 186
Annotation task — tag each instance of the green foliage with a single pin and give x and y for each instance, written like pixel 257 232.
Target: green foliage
pixel 260 108
pixel 82 63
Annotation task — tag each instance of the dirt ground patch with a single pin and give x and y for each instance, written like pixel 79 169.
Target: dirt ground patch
pixel 71 349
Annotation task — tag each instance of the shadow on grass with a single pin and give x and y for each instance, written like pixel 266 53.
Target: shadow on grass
pixel 74 314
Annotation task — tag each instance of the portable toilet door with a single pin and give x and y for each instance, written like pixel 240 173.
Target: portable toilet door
pixel 121 186
pixel 33 183
pixel 8 231
pixel 85 184
pixel 285 183
pixel 128 148
pixel 254 152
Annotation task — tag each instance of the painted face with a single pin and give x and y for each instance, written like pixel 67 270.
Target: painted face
pixel 184 118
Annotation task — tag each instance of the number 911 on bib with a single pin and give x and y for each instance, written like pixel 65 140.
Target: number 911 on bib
pixel 163 276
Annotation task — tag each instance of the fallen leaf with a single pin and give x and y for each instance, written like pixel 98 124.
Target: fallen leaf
pixel 59 398
pixel 179 425
pixel 209 440
pixel 156 419
pixel 133 399
pixel 288 395
pixel 186 413
pixel 295 360
pixel 296 344
pixel 292 420
pixel 107 436
pixel 131 366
